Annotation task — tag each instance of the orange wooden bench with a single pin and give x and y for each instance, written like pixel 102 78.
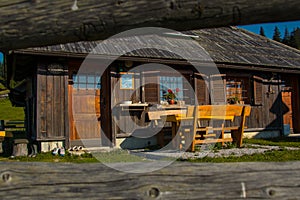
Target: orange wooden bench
pixel 220 113
pixel 215 116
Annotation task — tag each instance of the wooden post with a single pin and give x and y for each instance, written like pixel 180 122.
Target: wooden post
pixel 20 147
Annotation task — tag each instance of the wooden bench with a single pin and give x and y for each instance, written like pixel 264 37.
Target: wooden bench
pixel 9 131
pixel 196 133
pixel 217 115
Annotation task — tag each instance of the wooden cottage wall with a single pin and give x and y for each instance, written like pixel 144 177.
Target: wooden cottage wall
pixel 151 87
pixel 51 102
pixel 265 97
pixel 124 121
pixel 119 94
pixel 201 83
pixel 266 112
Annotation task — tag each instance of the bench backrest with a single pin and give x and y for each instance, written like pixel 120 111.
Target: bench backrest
pixel 223 110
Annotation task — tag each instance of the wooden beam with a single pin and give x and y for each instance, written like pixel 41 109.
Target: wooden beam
pixel 182 180
pixel 40 22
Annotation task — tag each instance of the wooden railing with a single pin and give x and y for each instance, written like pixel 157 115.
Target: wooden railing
pixel 7 127
pixel 180 180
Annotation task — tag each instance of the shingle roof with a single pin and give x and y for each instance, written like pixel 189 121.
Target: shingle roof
pixel 234 45
pixel 224 45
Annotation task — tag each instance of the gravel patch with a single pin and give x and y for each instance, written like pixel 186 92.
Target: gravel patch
pixel 247 150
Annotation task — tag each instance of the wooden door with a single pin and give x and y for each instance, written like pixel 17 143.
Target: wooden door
pixel 85 115
pixel 51 103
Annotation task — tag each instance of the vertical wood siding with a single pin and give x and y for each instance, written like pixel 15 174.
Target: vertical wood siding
pixel 125 121
pixel 51 105
pixel 85 113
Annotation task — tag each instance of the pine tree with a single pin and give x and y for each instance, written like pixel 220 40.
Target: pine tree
pixel 277 34
pixel 262 31
pixel 295 38
pixel 287 37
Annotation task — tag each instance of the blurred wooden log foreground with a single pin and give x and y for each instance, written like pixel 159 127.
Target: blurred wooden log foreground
pixel 178 181
pixel 40 22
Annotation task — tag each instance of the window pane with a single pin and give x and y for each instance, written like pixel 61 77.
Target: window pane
pixel 86 81
pixel 82 79
pixel 173 83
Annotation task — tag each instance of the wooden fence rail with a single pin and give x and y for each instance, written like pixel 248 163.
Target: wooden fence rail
pixel 21 180
pixel 40 22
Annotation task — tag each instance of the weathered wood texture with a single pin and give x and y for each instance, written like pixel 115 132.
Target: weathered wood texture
pixel 177 181
pixel 20 147
pixel 51 102
pixel 85 113
pixel 126 120
pixel 36 23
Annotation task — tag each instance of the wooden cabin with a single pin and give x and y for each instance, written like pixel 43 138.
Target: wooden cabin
pixel 71 104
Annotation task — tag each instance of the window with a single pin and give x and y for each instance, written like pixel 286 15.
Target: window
pixel 167 82
pixel 86 81
pixel 237 90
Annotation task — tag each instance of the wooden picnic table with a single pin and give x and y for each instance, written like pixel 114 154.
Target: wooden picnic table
pixel 220 113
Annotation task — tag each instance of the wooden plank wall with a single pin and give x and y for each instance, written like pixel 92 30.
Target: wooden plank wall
pixel 84 113
pixel 265 98
pixel 268 114
pixel 124 121
pixel 51 105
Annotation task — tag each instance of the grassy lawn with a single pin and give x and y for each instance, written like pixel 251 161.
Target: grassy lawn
pixel 119 155
pixel 103 157
pixel 280 141
pixel 280 155
pixel 8 112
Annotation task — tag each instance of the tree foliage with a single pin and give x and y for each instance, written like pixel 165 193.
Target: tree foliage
pixel 295 38
pixel 290 38
pixel 277 34
pixel 287 37
pixel 262 31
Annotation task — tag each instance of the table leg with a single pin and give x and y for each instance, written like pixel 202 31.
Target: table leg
pixel 175 139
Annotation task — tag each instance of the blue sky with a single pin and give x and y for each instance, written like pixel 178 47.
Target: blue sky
pixel 269 27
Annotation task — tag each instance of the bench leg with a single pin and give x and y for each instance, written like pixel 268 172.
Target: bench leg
pixel 237 138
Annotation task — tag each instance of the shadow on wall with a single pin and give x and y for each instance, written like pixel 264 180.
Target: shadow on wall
pixel 279 109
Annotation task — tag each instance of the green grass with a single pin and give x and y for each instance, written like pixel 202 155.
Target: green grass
pixel 279 141
pixel 48 157
pixel 8 112
pixel 280 155
pixel 118 155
